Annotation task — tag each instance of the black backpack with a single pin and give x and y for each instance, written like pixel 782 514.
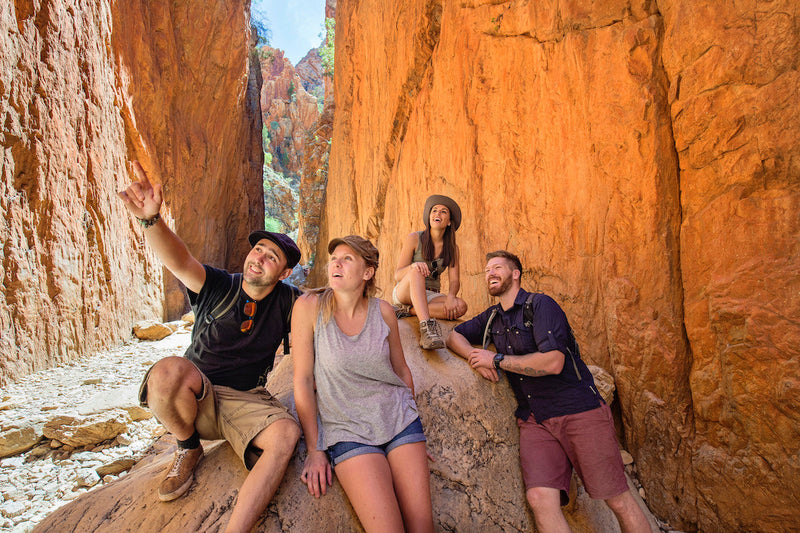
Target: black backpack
pixel 528 315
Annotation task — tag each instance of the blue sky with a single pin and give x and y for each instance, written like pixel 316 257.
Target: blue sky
pixel 296 24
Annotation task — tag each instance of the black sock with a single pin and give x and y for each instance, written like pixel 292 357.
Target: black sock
pixel 191 443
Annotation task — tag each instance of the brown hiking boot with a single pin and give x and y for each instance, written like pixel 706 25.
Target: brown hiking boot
pixel 181 474
pixel 402 310
pixel 430 335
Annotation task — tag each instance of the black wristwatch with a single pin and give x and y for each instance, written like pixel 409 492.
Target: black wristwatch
pixel 497 358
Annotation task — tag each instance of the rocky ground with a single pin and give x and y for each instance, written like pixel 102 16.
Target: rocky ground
pixel 65 457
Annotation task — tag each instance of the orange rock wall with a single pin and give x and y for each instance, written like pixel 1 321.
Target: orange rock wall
pixel 735 111
pixel 190 100
pixel 641 158
pixel 84 87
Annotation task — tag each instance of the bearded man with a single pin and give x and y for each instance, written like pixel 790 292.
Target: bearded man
pixel 563 421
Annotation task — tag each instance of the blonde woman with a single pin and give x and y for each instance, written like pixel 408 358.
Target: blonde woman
pixel 355 396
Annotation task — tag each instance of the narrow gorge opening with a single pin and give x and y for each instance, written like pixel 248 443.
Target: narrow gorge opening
pixel 295 50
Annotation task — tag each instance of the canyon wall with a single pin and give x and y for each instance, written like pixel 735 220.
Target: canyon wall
pixel 642 159
pixel 291 103
pixel 84 88
pixel 315 164
pixel 289 107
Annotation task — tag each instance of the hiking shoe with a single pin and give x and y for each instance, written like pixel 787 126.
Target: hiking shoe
pixel 181 475
pixel 430 335
pixel 402 310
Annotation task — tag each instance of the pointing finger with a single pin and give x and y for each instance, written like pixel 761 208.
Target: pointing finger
pixel 141 175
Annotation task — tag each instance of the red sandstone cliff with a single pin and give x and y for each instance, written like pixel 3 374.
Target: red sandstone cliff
pixel 289 110
pixel 85 87
pixel 641 157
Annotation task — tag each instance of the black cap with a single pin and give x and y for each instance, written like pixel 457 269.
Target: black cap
pixel 284 242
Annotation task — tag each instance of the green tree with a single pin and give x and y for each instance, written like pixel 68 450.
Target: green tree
pixel 326 51
pixel 260 22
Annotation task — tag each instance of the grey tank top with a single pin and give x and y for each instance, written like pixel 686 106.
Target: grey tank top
pixel 436 267
pixel 359 396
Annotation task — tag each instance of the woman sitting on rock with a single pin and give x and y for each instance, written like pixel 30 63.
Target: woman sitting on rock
pixel 349 369
pixel 425 256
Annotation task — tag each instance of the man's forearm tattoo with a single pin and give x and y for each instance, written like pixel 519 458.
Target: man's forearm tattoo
pixel 525 370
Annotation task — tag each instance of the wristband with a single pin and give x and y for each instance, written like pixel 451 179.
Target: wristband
pixel 147 222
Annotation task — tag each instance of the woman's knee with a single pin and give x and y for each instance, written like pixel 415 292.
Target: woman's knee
pixel 461 308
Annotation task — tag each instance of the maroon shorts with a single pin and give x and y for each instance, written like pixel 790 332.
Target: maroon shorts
pixel 585 441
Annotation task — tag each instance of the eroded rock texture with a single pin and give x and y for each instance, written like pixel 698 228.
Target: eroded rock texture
pixel 642 159
pixel 189 88
pixel 735 96
pixel 315 165
pixel 75 276
pixel 84 87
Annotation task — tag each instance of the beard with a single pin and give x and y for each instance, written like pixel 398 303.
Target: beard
pixel 497 290
pixel 263 280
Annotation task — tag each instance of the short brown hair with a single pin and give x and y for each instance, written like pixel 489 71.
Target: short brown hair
pixel 508 256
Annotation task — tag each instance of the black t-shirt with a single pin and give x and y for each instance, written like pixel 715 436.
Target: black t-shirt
pixel 219 348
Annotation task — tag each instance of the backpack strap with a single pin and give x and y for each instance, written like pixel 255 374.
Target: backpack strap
pixel 227 302
pixel 527 312
pixel 572 356
pixel 486 332
pixel 288 320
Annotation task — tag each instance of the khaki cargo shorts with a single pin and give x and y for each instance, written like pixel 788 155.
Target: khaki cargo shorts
pixel 232 415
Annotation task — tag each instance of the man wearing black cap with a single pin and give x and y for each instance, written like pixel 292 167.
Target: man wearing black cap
pixel 213 392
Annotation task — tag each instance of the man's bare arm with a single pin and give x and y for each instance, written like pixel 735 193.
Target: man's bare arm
pixel 532 364
pixel 143 200
pixel 461 346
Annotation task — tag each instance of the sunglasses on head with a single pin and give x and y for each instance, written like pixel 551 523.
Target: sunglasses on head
pixel 250 312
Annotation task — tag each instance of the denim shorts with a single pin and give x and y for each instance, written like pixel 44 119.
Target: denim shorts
pixel 347 449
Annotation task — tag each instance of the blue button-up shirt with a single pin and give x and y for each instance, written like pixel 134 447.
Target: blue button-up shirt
pixel 544 396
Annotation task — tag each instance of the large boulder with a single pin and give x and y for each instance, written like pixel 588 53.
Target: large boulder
pixel 16 440
pixel 85 431
pixel 475 476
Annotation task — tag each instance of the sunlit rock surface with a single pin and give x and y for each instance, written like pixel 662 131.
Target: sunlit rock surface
pixel 84 88
pixel 641 158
